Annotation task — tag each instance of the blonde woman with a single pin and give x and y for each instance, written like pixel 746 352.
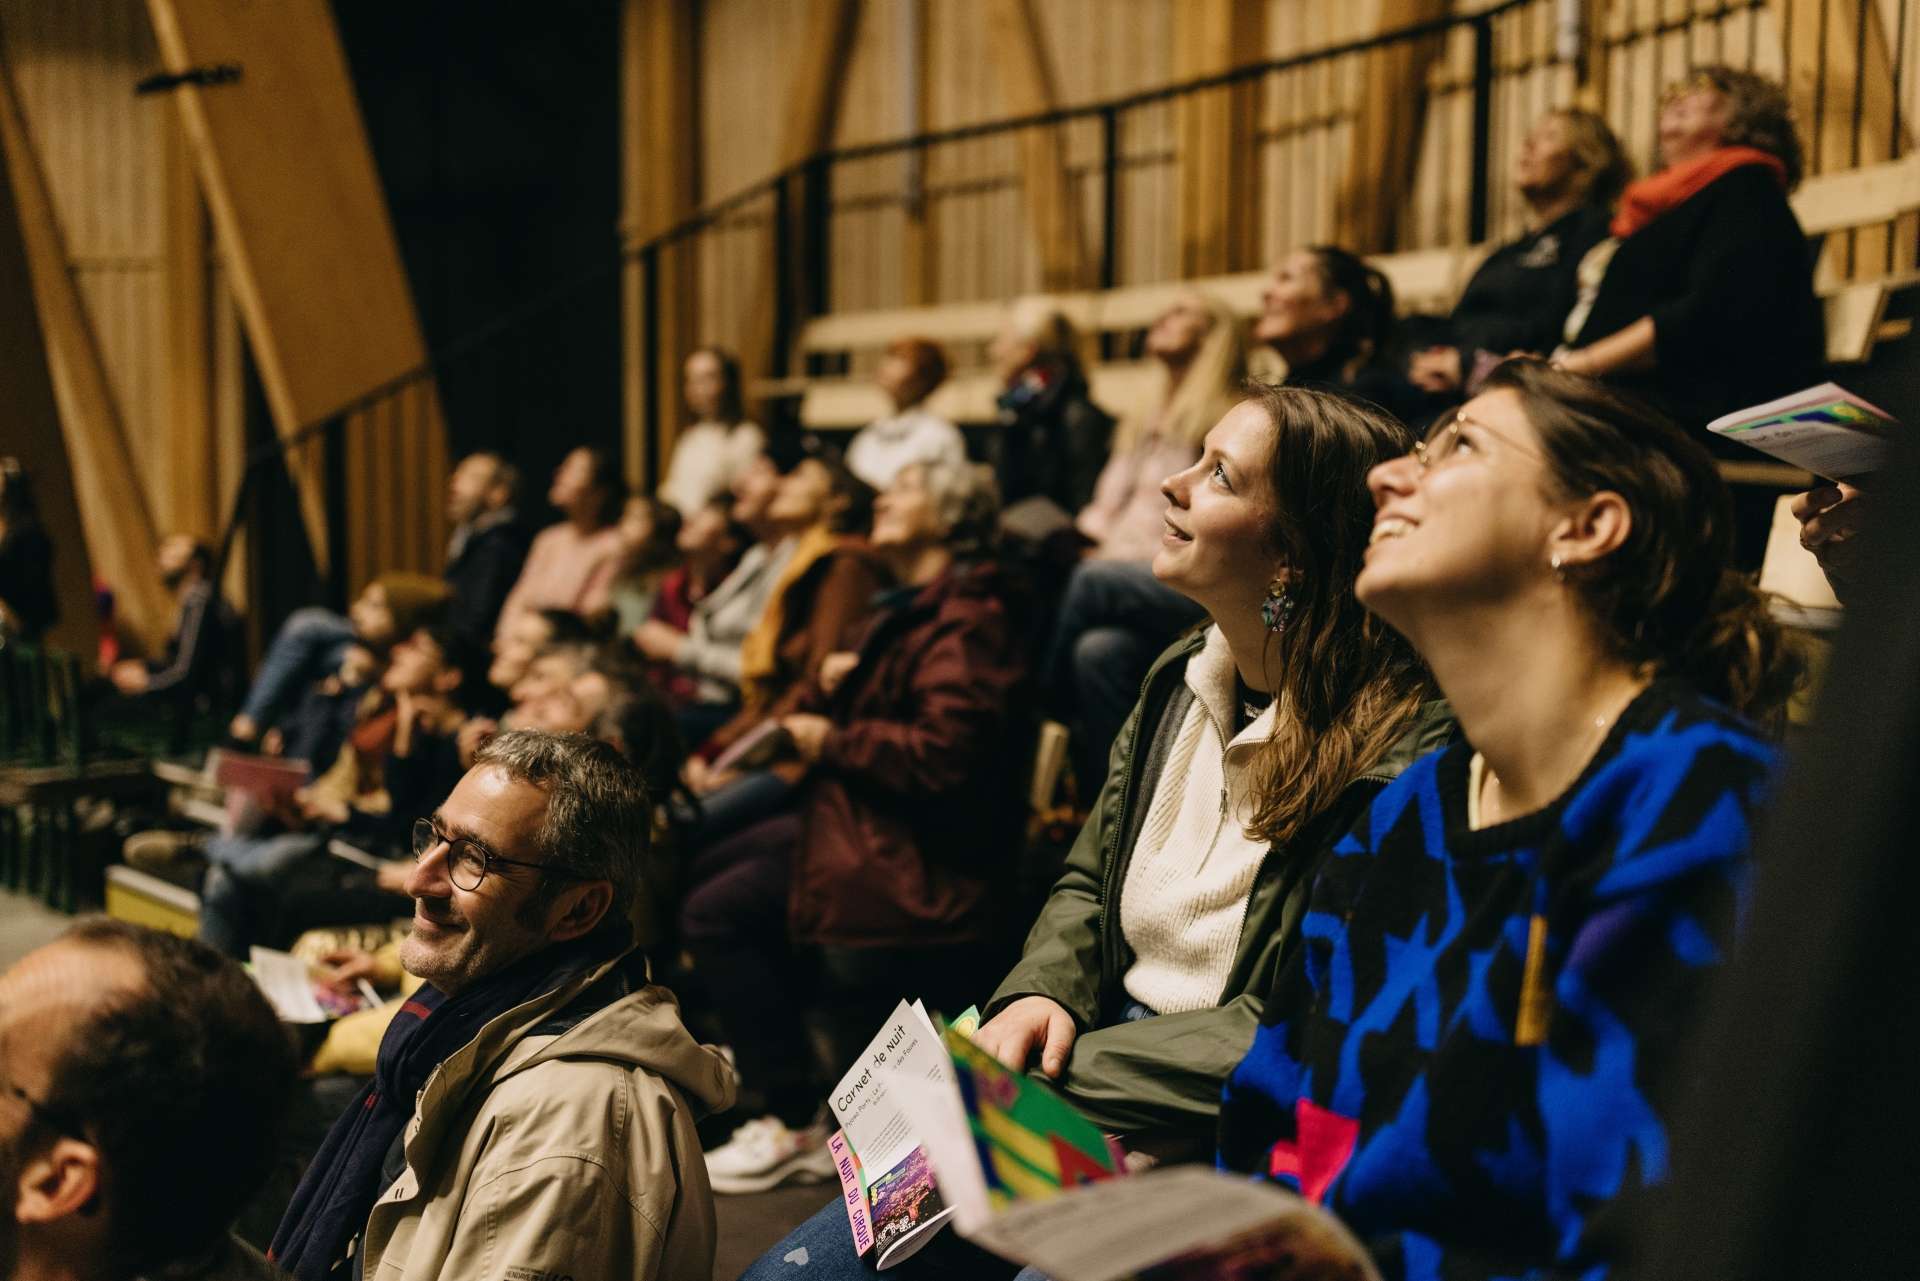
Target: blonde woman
pixel 1114 615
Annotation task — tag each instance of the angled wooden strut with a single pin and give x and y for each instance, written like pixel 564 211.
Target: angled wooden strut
pixel 297 207
pixel 120 534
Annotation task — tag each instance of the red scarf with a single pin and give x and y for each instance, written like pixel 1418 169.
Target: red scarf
pixel 1647 199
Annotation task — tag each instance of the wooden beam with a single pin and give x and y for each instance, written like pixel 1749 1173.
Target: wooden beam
pixel 1378 175
pixel 193 456
pixel 1218 213
pixel 287 173
pixel 120 534
pixel 659 187
pixel 1027 88
pixel 34 436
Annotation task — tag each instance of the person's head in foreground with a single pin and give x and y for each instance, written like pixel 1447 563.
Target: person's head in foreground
pixel 536 1060
pixel 144 1082
pixel 1266 532
pixel 1588 519
pixel 537 845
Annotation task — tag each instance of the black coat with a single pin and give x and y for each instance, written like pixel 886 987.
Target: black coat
pixel 1728 278
pixel 1520 296
pixel 481 576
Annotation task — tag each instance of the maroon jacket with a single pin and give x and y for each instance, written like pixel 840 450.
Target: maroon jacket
pixel 913 813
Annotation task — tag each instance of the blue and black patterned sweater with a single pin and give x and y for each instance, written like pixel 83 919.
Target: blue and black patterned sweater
pixel 1473 1058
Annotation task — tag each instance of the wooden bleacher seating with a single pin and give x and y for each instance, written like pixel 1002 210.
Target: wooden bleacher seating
pixel 1426 280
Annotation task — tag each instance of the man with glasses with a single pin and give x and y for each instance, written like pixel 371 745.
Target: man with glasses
pixel 532 1109
pixel 144 1083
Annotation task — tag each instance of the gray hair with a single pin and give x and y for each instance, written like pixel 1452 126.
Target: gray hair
pixel 966 503
pixel 598 822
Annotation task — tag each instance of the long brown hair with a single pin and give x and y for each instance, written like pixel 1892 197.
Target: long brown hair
pixel 1668 598
pixel 1346 685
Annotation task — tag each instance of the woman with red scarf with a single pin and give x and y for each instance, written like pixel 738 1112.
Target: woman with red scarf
pixel 1707 304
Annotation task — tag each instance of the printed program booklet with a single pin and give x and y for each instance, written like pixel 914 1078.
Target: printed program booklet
pixel 1023 1174
pixel 1826 430
pixel 893 1204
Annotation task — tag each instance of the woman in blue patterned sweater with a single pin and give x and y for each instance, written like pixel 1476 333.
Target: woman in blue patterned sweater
pixel 1473 1057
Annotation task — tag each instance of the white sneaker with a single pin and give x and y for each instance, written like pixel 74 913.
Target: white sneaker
pixel 764 1153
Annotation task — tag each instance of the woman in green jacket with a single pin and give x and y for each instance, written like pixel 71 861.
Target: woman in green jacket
pixel 1256 743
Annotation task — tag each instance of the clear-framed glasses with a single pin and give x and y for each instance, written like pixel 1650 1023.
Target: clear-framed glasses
pixel 1445 443
pixel 468 861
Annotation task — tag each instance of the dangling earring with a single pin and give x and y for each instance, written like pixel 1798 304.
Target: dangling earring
pixel 1277 608
pixel 1559 574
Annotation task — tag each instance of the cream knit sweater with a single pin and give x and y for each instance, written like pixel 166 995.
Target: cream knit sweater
pixel 1186 891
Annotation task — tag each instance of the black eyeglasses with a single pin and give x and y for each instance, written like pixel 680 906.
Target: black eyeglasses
pixel 468 861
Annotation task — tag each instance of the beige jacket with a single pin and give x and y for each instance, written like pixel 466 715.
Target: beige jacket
pixel 532 1156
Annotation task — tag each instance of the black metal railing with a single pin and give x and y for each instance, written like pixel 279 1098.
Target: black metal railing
pixel 1488 74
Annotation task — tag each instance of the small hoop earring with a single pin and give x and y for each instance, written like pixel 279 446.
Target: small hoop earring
pixel 1277 608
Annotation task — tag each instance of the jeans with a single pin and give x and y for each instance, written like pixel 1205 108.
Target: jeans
pixel 1114 621
pixel 240 873
pixel 821 1249
pixel 307 648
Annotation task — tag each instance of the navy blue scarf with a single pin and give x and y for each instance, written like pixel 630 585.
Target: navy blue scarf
pixel 343 1181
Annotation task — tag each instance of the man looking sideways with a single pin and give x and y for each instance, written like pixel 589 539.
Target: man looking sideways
pixel 144 1083
pixel 532 1109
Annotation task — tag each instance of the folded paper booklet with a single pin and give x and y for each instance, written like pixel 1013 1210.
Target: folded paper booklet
pixel 893 1205
pixel 1826 430
pixel 256 785
pixel 295 994
pixel 1024 1175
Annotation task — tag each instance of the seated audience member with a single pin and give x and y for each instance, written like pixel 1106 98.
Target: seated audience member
pixel 1832 518
pixel 195 666
pixel 488 546
pixel 1475 1052
pixel 533 1106
pixel 1329 317
pixel 1114 614
pixel 311 645
pixel 649 532
pixel 1707 304
pixel 315 727
pixel 146 1085
pixel 1569 171
pixel 717 445
pixel 27 604
pixel 531 634
pixel 551 669
pixel 909 372
pixel 1053 439
pixel 826 589
pixel 908 819
pixel 707 651
pixel 574 561
pixel 1143 980
pixel 399 755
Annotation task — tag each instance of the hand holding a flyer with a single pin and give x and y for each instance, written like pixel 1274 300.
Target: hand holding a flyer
pixel 1831 517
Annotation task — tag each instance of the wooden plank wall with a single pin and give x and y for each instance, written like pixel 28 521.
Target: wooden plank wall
pixel 132 232
pixel 957 229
